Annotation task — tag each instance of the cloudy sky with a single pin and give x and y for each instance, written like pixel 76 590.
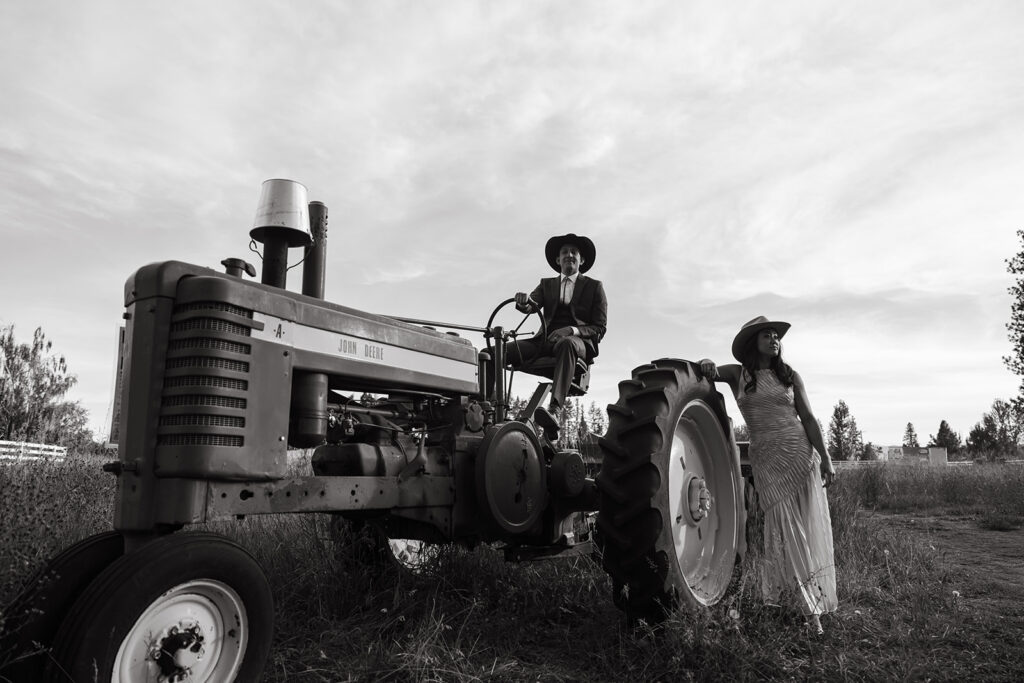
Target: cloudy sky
pixel 852 168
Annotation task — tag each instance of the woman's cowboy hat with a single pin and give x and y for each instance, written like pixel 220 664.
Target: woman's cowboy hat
pixel 587 251
pixel 750 330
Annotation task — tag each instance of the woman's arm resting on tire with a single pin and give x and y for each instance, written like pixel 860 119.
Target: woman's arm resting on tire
pixel 730 374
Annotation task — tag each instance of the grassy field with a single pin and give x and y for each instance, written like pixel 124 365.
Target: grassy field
pixel 905 614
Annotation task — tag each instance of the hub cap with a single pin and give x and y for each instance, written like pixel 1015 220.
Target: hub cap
pixel 196 631
pixel 702 501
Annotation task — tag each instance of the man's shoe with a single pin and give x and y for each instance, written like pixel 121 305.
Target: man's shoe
pixel 547 422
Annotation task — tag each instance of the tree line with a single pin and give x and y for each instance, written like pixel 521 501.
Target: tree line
pixel 1000 432
pixel 34 382
pixel 845 441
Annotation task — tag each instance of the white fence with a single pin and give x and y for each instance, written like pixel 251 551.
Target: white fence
pixel 19 450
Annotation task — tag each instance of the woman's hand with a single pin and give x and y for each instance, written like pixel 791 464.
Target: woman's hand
pixel 709 369
pixel 828 473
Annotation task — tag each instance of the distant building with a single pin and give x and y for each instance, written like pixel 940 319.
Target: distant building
pixel 910 455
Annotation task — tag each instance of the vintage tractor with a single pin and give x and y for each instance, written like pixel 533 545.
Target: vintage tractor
pixel 222 375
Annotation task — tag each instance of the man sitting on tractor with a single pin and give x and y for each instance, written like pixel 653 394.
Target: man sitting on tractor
pixel 575 310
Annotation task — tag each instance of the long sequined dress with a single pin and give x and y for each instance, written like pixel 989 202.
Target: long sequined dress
pixel 797 529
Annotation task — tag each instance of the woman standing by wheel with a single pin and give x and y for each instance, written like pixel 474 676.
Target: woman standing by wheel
pixel 791 468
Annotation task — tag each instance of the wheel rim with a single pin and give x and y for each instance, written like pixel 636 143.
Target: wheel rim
pixel 197 631
pixel 702 501
pixel 413 554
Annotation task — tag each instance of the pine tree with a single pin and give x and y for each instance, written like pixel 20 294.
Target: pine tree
pixel 946 438
pixel 999 432
pixel 869 452
pixel 597 419
pixel 910 437
pixel 1015 362
pixel 856 439
pixel 844 439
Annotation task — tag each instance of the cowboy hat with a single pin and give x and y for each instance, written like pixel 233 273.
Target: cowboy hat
pixel 750 330
pixel 587 251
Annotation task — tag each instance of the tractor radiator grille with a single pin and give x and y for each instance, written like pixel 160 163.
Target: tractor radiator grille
pixel 208 362
pixel 213 306
pixel 201 421
pixel 206 382
pixel 200 440
pixel 210 324
pixel 201 400
pixel 212 344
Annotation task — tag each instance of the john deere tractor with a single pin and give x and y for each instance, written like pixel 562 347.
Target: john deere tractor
pixel 222 375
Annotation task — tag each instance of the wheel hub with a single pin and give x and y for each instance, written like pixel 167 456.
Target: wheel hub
pixel 178 651
pixel 698 499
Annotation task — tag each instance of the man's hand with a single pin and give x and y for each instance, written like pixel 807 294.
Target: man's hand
pixel 708 369
pixel 524 303
pixel 559 333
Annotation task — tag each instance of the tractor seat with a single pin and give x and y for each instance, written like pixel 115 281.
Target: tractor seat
pixel 545 367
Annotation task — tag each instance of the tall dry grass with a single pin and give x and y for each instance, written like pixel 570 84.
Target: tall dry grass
pixel 474 617
pixel 45 506
pixel 990 492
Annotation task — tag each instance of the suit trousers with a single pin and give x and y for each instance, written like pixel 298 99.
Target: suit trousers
pixel 565 351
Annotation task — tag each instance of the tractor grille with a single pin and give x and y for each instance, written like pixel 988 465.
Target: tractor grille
pixel 206 362
pixel 206 383
pixel 215 344
pixel 201 400
pixel 201 421
pixel 200 440
pixel 210 324
pixel 213 306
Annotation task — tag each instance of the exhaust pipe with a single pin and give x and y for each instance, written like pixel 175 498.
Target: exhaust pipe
pixel 309 389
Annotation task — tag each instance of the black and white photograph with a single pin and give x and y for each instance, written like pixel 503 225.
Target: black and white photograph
pixel 547 341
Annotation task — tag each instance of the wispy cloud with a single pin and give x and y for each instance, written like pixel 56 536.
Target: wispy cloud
pixel 851 167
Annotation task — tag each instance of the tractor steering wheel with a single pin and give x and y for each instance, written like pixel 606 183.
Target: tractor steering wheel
pixel 511 335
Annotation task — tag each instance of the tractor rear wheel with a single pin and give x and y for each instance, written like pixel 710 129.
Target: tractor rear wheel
pixel 185 607
pixel 671 518
pixel 366 543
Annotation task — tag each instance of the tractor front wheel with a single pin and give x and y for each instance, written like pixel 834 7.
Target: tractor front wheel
pixel 671 517
pixel 185 607
pixel 32 620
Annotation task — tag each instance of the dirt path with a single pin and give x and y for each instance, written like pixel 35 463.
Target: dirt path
pixel 991 562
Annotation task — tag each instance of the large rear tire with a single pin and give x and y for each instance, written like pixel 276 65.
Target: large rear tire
pixel 185 607
pixel 672 517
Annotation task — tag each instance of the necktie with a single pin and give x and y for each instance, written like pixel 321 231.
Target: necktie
pixel 565 290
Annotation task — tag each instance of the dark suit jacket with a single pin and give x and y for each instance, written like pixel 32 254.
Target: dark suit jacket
pixel 589 307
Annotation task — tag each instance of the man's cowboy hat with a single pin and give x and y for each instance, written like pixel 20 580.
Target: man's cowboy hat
pixel 750 330
pixel 587 251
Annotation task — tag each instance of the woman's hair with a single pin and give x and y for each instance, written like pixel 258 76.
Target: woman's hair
pixel 781 368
